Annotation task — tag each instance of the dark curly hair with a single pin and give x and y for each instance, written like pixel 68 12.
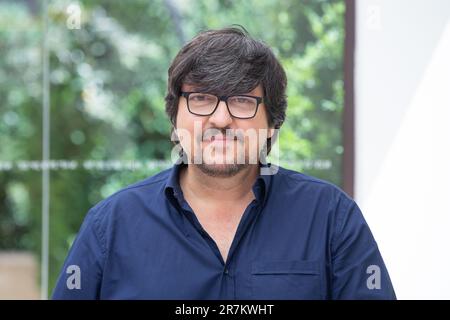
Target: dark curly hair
pixel 228 61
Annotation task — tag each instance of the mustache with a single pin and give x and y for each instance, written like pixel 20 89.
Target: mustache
pixel 232 134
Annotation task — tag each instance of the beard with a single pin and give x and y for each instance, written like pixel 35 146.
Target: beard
pixel 225 159
pixel 221 170
pixel 216 162
pixel 215 158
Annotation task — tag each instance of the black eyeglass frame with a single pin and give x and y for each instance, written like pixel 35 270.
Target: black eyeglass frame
pixel 186 94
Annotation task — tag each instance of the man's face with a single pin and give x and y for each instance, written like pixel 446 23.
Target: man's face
pixel 222 145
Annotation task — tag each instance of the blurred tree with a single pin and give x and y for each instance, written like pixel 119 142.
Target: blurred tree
pixel 108 81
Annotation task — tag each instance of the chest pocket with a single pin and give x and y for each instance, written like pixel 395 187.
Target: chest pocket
pixel 290 280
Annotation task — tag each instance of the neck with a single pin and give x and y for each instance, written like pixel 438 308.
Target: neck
pixel 218 189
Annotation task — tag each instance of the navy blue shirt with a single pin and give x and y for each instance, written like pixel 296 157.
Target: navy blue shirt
pixel 300 238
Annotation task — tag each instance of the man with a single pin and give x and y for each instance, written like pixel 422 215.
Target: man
pixel 217 225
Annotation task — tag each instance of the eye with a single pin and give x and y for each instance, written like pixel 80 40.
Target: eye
pixel 199 97
pixel 243 100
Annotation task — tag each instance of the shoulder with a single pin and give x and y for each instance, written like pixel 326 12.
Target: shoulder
pixel 307 183
pixel 129 201
pixel 301 185
pixel 328 200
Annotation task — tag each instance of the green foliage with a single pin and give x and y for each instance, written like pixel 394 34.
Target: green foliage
pixel 108 81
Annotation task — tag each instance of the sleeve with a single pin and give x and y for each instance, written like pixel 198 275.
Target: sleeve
pixel 81 275
pixel 358 270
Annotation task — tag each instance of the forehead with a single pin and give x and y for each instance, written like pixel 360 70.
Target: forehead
pixel 258 91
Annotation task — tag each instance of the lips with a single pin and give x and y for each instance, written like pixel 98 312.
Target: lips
pixel 221 138
pixel 228 136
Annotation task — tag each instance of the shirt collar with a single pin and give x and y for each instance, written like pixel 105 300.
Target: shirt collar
pixel 173 190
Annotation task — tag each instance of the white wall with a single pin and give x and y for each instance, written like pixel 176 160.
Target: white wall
pixel 402 136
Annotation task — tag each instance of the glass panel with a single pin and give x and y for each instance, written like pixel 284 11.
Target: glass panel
pixel 20 148
pixel 108 78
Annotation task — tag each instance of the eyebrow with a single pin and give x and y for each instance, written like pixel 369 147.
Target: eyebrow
pixel 197 88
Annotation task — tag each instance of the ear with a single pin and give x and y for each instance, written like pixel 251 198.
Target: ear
pixel 174 136
pixel 270 132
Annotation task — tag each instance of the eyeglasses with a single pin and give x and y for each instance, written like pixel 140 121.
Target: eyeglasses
pixel 205 104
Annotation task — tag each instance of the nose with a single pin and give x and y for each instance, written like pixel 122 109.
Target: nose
pixel 221 117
